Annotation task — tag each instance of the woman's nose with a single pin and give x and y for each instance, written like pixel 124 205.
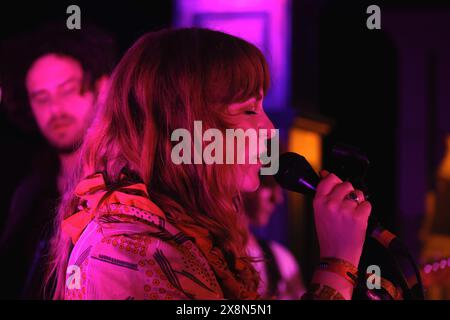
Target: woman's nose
pixel 267 124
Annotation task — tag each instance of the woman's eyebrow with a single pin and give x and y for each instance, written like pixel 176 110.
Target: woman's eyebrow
pixel 244 104
pixel 251 100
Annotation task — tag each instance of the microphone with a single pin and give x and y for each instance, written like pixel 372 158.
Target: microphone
pixel 296 174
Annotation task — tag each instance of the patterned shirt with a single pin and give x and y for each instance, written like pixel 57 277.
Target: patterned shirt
pixel 128 250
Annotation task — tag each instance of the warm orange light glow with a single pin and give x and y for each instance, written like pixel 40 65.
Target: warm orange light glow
pixel 305 138
pixel 444 167
pixel 308 144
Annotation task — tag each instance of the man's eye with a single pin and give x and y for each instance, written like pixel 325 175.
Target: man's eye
pixel 41 100
pixel 70 90
pixel 250 112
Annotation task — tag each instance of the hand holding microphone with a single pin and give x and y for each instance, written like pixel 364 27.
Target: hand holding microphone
pixel 341 213
pixel 342 217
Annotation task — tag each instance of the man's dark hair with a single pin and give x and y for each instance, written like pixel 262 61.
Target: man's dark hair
pixel 93 48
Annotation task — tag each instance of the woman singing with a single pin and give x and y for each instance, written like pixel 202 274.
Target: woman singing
pixel 136 225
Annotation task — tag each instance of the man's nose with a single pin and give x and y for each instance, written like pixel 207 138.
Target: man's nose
pixel 56 105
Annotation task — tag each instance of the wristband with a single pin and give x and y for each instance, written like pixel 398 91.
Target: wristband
pixel 341 267
pixel 318 292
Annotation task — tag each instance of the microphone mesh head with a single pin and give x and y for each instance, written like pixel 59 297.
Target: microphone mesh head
pixel 296 174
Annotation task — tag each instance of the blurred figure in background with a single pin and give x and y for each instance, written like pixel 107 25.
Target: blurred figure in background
pixel 435 234
pixel 54 78
pixel 279 271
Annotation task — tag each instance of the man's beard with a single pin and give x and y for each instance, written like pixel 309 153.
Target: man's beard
pixel 67 148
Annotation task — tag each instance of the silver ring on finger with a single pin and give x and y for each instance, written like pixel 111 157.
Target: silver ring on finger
pixel 353 196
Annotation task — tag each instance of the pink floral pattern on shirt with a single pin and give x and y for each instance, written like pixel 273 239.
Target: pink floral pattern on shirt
pixel 130 253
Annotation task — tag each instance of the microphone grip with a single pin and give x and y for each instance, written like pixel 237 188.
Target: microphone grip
pixel 384 237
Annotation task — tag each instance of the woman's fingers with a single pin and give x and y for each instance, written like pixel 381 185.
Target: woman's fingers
pixel 335 193
pixel 363 210
pixel 327 184
pixel 352 204
pixel 323 173
pixel 340 191
pixel 361 196
pixel 341 223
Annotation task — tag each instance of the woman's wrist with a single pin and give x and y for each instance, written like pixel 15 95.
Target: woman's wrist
pixel 334 279
pixel 351 257
pixel 328 282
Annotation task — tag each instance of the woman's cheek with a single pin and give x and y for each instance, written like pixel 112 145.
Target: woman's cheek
pixel 249 178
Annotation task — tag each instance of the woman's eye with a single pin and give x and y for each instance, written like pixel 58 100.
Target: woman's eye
pixel 251 110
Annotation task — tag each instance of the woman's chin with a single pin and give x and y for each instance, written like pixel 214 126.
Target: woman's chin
pixel 250 184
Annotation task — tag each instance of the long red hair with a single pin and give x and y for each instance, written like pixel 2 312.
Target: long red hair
pixel 164 82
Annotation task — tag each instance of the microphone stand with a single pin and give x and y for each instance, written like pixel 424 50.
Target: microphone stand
pixel 397 251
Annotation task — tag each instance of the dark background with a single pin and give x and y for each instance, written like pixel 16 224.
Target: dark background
pixel 340 70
